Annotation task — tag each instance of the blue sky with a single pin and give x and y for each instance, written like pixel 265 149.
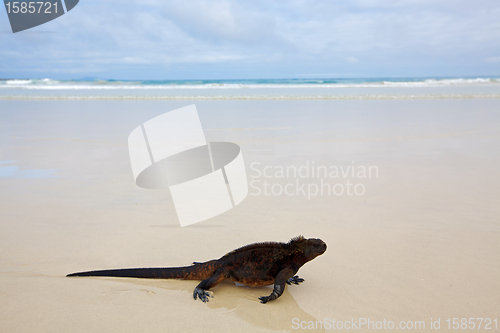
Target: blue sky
pixel 195 39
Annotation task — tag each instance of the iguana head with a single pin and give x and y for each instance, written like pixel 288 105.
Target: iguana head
pixel 314 247
pixel 311 247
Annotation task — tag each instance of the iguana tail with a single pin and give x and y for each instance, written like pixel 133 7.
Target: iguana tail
pixel 198 271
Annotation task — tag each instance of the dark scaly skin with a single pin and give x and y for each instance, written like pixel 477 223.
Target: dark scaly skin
pixel 255 265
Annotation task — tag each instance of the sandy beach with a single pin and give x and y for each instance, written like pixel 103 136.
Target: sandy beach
pixel 418 242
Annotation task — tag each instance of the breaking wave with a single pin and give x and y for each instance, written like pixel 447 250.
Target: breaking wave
pixel 49 84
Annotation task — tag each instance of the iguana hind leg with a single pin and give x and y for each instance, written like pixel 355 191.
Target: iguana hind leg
pixel 279 285
pixel 202 288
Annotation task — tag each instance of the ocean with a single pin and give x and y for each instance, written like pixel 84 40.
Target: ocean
pixel 369 88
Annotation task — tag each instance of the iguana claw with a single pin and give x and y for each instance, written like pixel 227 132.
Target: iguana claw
pixel 294 280
pixel 264 299
pixel 202 294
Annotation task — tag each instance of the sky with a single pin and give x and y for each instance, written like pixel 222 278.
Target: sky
pixel 227 39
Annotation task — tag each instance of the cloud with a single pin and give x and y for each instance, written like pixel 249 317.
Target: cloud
pixel 222 21
pixel 167 39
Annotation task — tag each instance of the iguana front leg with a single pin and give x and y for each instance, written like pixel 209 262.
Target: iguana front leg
pixel 279 285
pixel 201 289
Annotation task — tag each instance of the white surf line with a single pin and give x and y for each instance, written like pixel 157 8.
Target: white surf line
pixel 189 98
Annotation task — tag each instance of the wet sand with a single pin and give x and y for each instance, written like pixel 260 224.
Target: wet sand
pixel 420 243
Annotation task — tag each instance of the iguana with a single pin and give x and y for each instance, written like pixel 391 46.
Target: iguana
pixel 254 265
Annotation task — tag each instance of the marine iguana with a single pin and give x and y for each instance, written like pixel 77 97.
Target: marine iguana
pixel 254 265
